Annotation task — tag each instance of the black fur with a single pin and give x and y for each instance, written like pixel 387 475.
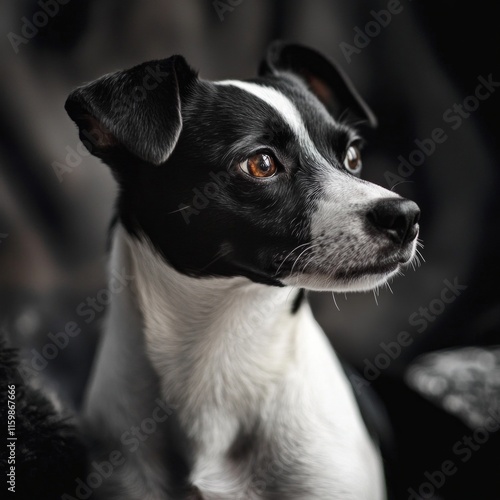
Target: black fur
pixel 298 301
pixel 205 216
pixel 176 155
pixel 137 110
pixel 49 455
pixel 325 80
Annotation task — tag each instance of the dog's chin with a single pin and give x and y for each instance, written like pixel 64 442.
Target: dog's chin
pixel 324 283
pixel 355 279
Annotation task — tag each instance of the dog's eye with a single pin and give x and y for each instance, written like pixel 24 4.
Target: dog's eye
pixel 352 160
pixel 259 165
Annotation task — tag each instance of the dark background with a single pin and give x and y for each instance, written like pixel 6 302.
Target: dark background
pixel 427 59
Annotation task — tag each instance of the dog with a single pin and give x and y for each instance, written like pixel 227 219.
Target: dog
pixel 213 380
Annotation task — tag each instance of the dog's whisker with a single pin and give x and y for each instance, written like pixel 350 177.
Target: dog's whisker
pixel 292 289
pixel 179 209
pixel 343 115
pixel 297 259
pixel 375 297
pixel 331 273
pixel 218 256
pixel 285 259
pixel 419 253
pixel 357 123
pixel 389 287
pixel 394 186
pixel 415 262
pixel 335 302
pixel 308 262
pixel 302 253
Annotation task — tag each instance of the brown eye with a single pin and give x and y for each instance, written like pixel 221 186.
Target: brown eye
pixel 352 160
pixel 260 165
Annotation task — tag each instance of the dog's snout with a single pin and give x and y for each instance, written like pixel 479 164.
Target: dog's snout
pixel 396 217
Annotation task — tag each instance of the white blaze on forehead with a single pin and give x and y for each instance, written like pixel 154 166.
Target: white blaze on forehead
pixel 286 109
pixel 344 189
pixel 276 100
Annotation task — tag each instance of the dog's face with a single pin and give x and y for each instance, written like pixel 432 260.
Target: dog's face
pixel 254 178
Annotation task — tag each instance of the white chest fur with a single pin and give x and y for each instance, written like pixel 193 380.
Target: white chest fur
pixel 235 362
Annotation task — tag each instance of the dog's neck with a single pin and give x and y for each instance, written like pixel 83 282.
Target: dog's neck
pixel 235 363
pixel 217 344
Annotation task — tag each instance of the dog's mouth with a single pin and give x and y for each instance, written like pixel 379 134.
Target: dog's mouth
pixel 317 271
pixel 309 259
pixel 387 268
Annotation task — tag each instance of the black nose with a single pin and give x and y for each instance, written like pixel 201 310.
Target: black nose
pixel 396 217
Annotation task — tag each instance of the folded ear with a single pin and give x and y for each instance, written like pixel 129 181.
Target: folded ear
pixel 326 80
pixel 137 110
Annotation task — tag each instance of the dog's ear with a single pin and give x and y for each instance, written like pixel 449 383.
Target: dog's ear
pixel 326 80
pixel 137 110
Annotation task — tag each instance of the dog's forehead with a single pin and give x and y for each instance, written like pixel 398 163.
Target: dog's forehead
pixel 277 99
pixel 287 99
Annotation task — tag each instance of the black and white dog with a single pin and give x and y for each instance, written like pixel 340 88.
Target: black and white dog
pixel 234 197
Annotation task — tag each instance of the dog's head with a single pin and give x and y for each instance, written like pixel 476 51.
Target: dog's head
pixel 255 178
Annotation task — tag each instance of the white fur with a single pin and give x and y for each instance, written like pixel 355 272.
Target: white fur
pixel 288 112
pixel 339 214
pixel 233 361
pixel 339 239
pixel 231 358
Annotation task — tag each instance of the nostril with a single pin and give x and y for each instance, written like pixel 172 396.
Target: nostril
pixel 396 217
pixel 399 222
